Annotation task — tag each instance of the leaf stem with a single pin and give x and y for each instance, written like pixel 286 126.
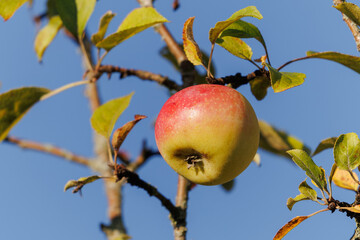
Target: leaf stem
pixel 63 88
pixel 291 61
pixel 210 58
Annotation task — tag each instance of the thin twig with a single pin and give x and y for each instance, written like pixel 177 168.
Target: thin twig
pixel 291 61
pixel 145 154
pixel 47 148
pixel 63 88
pixel 144 75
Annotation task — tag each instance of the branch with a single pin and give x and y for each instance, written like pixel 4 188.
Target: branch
pixel 145 154
pixel 182 197
pixel 133 179
pixel 352 26
pixel 144 75
pixel 237 80
pixel 50 149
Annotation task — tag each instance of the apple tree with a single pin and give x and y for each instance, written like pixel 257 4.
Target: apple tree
pixel 207 131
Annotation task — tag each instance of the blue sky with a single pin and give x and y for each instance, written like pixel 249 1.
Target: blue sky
pixel 33 204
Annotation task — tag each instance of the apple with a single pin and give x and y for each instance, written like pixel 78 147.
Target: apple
pixel 207 133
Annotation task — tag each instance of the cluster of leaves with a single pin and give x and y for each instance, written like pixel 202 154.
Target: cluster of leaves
pixel 230 33
pixel 346 150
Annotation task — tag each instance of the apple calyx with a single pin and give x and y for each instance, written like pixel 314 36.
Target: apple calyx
pixel 192 157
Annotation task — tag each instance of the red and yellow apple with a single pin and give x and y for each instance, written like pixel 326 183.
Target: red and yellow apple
pixel 207 133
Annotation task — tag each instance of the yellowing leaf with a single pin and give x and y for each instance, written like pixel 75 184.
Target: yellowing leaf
pixel 191 48
pixel 343 179
pixel 250 11
pixel 105 116
pixel 84 10
pixel 281 81
pixel 351 10
pixel 291 201
pixel 46 35
pixel 138 20
pixel 8 7
pixel 289 226
pixel 349 61
pixel 103 26
pixel 235 46
pixel 14 104
pixel 355 209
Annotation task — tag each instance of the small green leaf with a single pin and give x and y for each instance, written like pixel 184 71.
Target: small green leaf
pixel 304 161
pixel 242 29
pixel 228 186
pixel 281 81
pixel 250 11
pixel 235 46
pixel 325 144
pixel 14 104
pixel 138 20
pixel 103 26
pixel 259 86
pixel 291 201
pixel 68 13
pixel 349 61
pixel 307 191
pixel 278 142
pixel 351 10
pixel 84 10
pixel 105 116
pixel 9 7
pixel 191 48
pixel 78 184
pixel 46 35
pixel 347 151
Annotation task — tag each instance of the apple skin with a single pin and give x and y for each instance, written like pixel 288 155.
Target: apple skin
pixel 213 125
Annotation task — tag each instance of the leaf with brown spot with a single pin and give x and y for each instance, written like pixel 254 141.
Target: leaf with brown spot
pixel 343 179
pixel 191 48
pixel 121 133
pixel 289 226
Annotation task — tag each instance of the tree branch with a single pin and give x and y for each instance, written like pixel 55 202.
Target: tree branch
pixel 144 75
pixel 352 26
pixel 50 149
pixel 182 197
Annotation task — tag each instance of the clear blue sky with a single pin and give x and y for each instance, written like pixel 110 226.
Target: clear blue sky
pixel 33 204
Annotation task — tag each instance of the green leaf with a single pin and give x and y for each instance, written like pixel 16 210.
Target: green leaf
pixel 325 144
pixel 347 151
pixel 191 48
pixel 281 81
pixel 75 14
pixel 14 104
pixel 349 61
pixel 138 20
pixel 351 10
pixel 78 184
pixel 242 29
pixel 103 26
pixel 291 201
pixel 235 46
pixel 105 116
pixel 250 11
pixel 8 7
pixel 68 13
pixel 278 142
pixel 228 186
pixel 259 86
pixel 46 35
pixel 304 161
pixel 84 10
pixel 307 191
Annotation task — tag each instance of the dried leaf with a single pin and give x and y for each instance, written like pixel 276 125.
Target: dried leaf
pixel 289 226
pixel 78 184
pixel 191 48
pixel 121 133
